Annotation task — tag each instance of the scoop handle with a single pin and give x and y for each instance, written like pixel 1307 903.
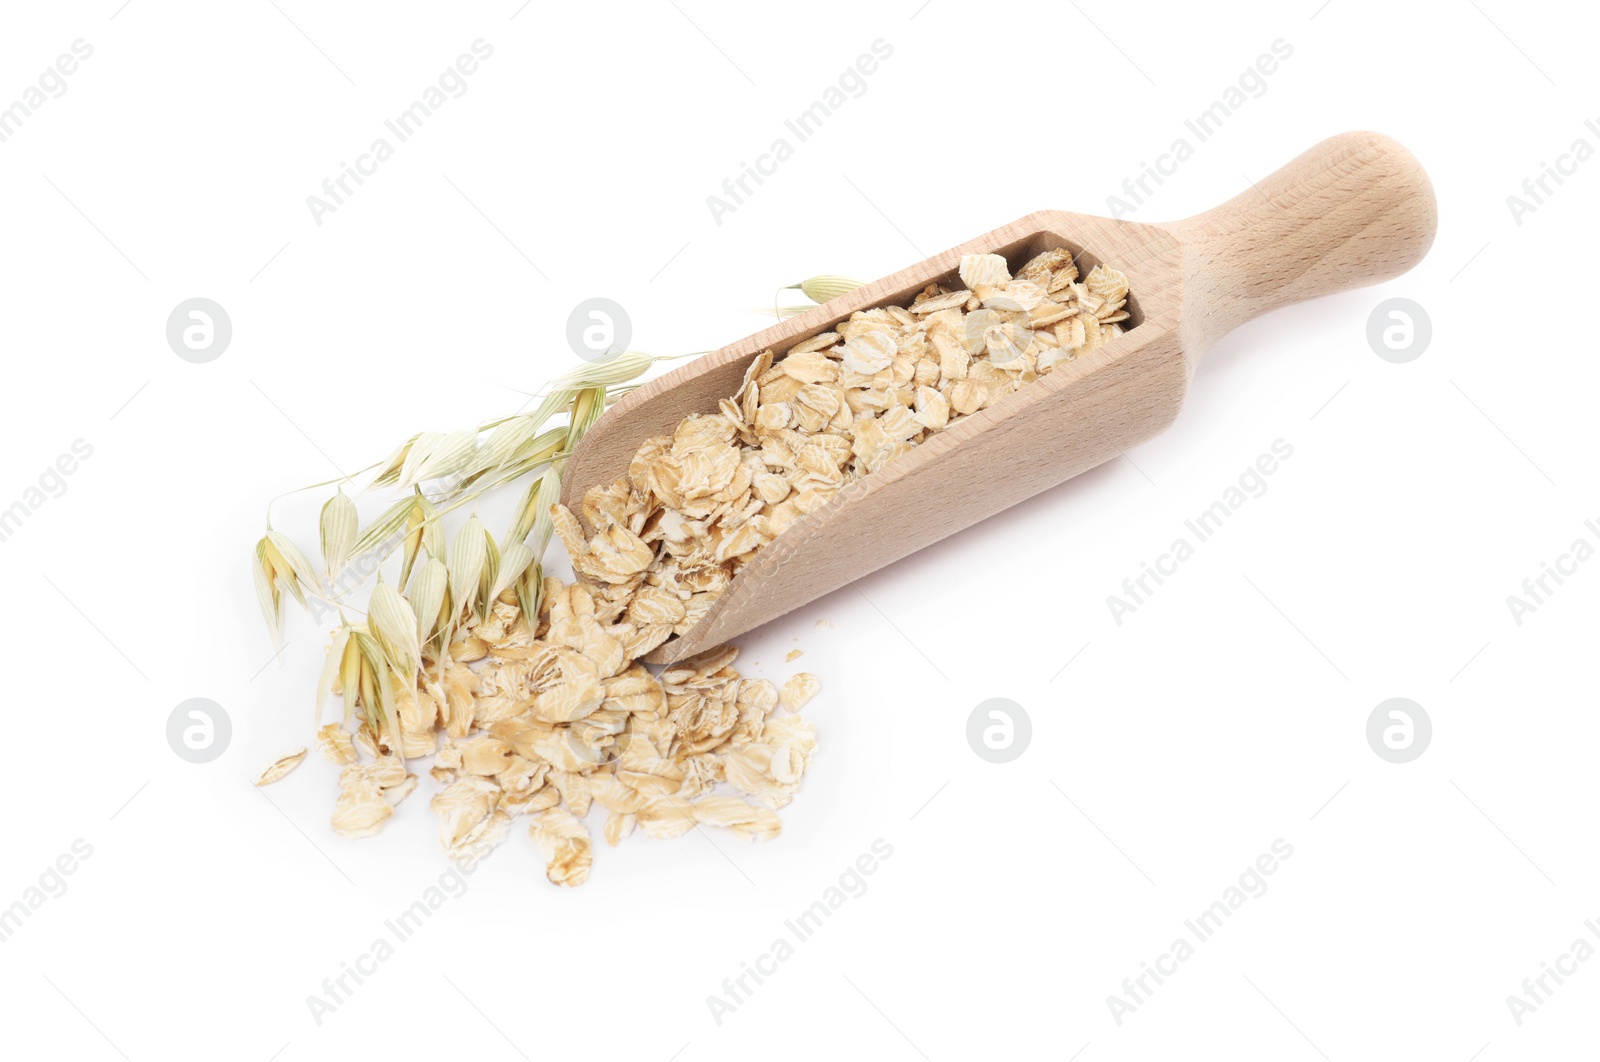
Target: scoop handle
pixel 1354 210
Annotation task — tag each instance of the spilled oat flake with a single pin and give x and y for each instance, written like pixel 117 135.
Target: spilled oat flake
pixel 280 767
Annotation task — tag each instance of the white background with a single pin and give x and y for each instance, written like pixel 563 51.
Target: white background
pixel 1167 755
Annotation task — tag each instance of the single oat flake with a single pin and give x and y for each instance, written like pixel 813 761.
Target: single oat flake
pixel 280 767
pixel 799 690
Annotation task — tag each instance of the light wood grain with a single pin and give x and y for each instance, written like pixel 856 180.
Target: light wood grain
pixel 1354 210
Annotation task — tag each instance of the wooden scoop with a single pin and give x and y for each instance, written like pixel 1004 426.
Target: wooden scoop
pixel 1354 210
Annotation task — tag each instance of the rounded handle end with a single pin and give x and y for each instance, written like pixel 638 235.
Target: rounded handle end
pixel 1354 210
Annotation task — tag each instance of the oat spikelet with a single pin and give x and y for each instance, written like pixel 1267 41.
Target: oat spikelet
pixel 338 527
pixel 394 624
pixel 429 594
pixel 587 406
pixel 332 660
pixel 381 530
pixel 533 515
pixel 827 287
pixel 607 372
pixel 267 592
pixel 469 553
pixel 289 565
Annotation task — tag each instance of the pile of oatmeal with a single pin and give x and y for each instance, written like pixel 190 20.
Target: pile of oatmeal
pixel 552 719
pixel 549 715
pixel 698 504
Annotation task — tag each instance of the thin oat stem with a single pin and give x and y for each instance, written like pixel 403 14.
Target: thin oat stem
pixel 313 486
